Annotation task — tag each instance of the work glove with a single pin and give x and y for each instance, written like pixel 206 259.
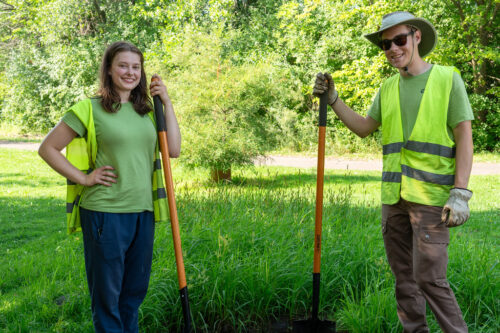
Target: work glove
pixel 324 83
pixel 456 211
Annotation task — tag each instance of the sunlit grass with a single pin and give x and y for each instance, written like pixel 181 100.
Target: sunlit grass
pixel 247 249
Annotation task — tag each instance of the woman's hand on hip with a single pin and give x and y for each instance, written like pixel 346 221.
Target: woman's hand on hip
pixel 102 175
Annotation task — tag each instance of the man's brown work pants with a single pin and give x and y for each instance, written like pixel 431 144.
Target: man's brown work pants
pixel 416 244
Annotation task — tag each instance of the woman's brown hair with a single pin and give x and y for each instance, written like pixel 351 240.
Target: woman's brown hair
pixel 110 99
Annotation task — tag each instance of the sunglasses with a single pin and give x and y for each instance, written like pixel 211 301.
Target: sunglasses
pixel 399 40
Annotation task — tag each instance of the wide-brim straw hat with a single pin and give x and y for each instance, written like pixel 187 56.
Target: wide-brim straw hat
pixel 429 34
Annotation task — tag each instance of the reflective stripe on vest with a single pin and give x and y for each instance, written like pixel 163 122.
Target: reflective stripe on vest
pixel 422 169
pixel 81 152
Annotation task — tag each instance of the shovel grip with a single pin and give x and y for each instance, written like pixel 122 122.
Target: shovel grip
pixel 161 125
pixel 323 105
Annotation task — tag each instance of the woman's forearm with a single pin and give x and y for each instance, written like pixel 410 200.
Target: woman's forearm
pixel 173 131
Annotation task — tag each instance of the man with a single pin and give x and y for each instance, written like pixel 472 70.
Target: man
pixel 427 153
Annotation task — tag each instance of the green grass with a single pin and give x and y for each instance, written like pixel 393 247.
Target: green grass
pixel 247 249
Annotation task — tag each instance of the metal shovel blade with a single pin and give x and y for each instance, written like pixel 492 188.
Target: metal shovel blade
pixel 313 326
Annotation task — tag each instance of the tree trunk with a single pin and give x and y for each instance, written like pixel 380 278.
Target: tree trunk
pixel 218 175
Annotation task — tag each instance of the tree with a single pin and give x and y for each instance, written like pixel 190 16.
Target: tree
pixel 471 44
pixel 57 44
pixel 51 51
pixel 227 112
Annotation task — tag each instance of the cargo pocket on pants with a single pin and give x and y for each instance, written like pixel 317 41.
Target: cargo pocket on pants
pixel 435 236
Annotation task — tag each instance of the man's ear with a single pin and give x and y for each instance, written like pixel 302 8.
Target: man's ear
pixel 418 36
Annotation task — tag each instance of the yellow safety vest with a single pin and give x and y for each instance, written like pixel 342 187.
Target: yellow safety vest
pixel 422 170
pixel 81 152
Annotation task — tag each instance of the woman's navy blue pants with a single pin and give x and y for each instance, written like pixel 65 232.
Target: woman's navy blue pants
pixel 118 254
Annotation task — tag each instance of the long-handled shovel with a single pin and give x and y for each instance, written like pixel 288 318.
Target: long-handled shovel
pixel 314 324
pixel 174 221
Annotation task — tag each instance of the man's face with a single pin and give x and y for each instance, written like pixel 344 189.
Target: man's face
pixel 400 56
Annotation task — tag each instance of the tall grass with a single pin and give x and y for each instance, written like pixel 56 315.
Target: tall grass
pixel 247 249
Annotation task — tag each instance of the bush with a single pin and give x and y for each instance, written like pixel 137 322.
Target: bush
pixel 44 85
pixel 228 113
pixel 486 123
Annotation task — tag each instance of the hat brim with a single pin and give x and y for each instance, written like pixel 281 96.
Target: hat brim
pixel 427 42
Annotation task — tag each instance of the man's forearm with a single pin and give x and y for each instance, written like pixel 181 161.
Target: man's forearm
pixel 464 151
pixel 362 126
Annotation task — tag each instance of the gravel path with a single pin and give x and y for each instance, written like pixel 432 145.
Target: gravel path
pixel 305 162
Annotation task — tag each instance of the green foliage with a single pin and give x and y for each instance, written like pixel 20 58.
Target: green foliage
pixel 57 44
pixel 471 44
pixel 53 54
pixel 228 115
pixel 45 86
pixel 486 125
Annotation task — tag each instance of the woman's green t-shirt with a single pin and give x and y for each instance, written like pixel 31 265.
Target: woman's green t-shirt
pixel 126 141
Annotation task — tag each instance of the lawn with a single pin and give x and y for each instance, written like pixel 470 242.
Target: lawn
pixel 247 249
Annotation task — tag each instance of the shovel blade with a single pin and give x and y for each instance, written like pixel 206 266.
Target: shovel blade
pixel 313 326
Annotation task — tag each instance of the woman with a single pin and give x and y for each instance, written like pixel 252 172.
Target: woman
pixel 111 149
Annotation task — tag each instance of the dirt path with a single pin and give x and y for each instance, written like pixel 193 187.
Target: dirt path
pixel 304 162
pixel 339 163
pixel 19 145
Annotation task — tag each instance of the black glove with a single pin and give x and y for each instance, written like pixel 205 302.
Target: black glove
pixel 324 83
